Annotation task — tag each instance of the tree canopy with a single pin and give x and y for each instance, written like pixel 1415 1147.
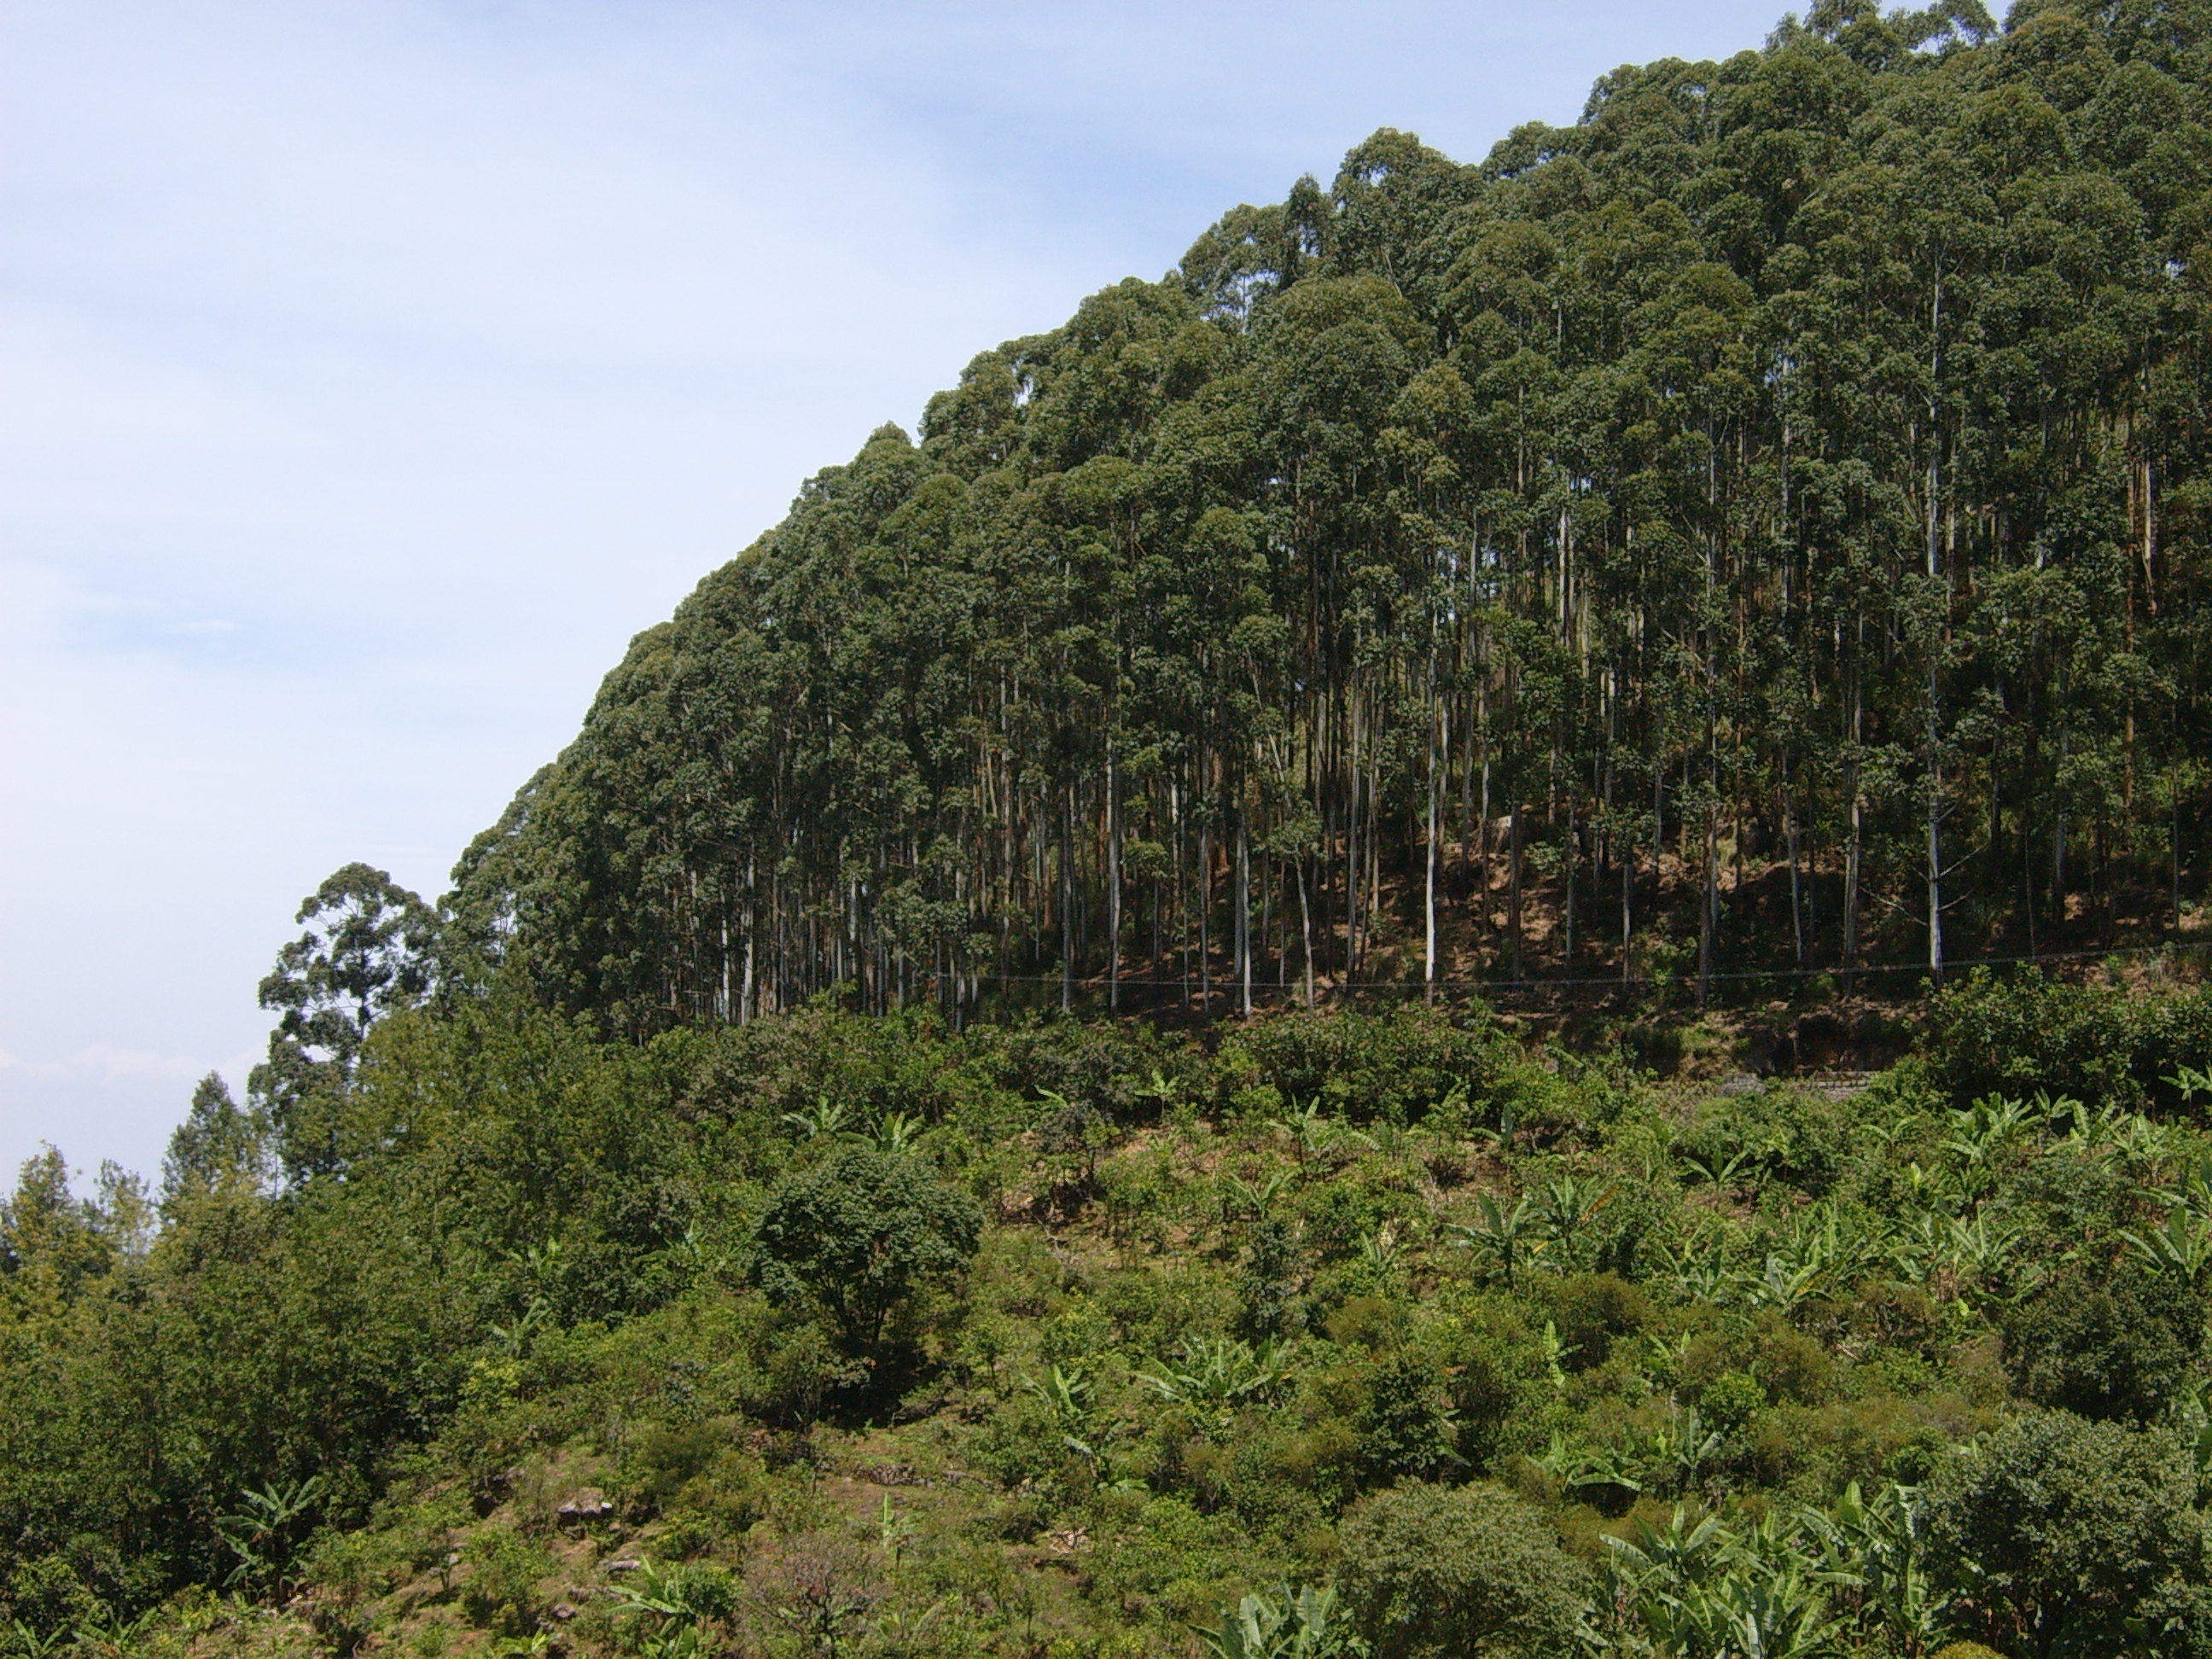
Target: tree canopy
pixel 1757 527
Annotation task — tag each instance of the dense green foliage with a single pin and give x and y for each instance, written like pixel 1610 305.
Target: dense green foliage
pixel 1332 1333
pixel 1701 538
pixel 1734 534
pixel 858 1236
pixel 1438 1571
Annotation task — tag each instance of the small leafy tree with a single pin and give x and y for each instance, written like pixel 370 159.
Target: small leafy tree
pixel 857 1234
pixel 1405 1424
pixel 2061 1535
pixel 1429 1571
pixel 216 1146
pixel 2110 1341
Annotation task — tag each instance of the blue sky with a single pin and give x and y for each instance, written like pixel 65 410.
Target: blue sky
pixel 370 372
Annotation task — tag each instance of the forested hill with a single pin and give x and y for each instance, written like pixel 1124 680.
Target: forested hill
pixel 1717 539
pixel 1721 529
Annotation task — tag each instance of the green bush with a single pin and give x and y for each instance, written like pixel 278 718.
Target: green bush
pixel 2097 1042
pixel 1405 1424
pixel 2062 1535
pixel 858 1235
pixel 1445 1572
pixel 1775 1133
pixel 2106 1341
pixel 505 1569
pixel 1392 1067
pixel 1590 1311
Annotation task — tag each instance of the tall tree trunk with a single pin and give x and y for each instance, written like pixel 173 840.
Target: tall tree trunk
pixel 1429 873
pixel 1305 932
pixel 1856 800
pixel 1244 910
pixel 1513 880
pixel 1709 905
pixel 1935 633
pixel 1567 905
pixel 1205 919
pixel 1113 881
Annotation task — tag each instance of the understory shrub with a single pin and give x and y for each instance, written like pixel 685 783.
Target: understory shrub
pixel 1439 1572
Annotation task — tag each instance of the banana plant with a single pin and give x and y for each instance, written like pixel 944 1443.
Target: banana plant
pixel 260 1532
pixel 1314 1134
pixel 514 1337
pixel 2183 1247
pixel 820 1122
pixel 113 1633
pixel 1978 1246
pixel 1707 1592
pixel 1679 1552
pixel 1158 1090
pixel 1910 1252
pixel 2144 1143
pixel 1939 1190
pixel 1982 1138
pixel 1253 1199
pixel 1782 1283
pixel 2192 1189
pixel 1069 1394
pixel 1576 1465
pixel 678 1598
pixel 1784 1613
pixel 1508 1235
pixel 698 1258
pixel 1303 1623
pixel 27 1643
pixel 2196 1415
pixel 2190 1081
pixel 1673 1457
pixel 2091 1134
pixel 1696 1267
pixel 1881 1544
pixel 1215 1376
pixel 1817 1250
pixel 1501 1137
pixel 1821 1237
pixel 1714 1170
pixel 1552 1352
pixel 1381 1250
pixel 899 1132
pixel 1568 1205
pixel 894 1531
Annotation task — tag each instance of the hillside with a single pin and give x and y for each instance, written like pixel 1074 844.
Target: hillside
pixel 1301 985
pixel 840 1333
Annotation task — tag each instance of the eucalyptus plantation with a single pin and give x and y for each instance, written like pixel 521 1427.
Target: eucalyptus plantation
pixel 1757 527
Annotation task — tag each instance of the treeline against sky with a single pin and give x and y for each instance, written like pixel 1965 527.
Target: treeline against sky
pixel 1761 517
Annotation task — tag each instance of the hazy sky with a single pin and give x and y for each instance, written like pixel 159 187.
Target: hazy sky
pixel 370 372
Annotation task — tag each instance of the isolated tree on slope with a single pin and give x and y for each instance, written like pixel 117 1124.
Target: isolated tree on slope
pixel 368 950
